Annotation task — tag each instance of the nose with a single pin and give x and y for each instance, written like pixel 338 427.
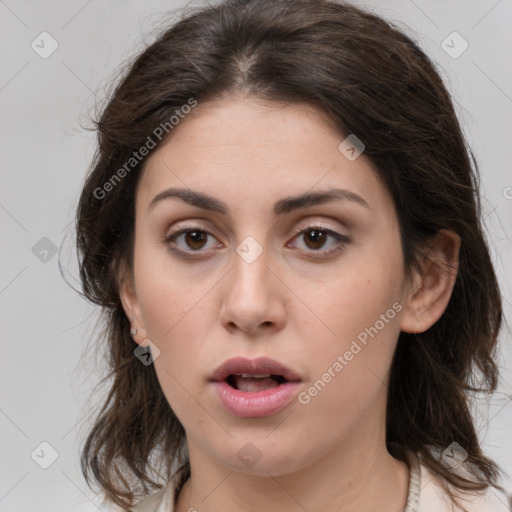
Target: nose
pixel 254 295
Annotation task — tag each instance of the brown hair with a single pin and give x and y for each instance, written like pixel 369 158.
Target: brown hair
pixel 373 81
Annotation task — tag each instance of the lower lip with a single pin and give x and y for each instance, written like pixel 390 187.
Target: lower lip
pixel 255 404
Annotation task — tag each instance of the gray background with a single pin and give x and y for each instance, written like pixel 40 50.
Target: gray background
pixel 47 370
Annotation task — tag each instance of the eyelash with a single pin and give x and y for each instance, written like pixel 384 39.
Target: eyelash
pixel 341 239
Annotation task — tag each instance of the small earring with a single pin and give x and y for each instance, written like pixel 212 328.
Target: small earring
pixel 133 332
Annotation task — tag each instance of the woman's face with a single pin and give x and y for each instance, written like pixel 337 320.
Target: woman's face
pixel 266 276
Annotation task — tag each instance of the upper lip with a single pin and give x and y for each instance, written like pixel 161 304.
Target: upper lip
pixel 258 366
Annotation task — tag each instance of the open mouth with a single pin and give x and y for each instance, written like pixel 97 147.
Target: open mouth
pixel 253 388
pixel 254 383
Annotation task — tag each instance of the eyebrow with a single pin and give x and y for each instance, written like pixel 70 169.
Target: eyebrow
pixel 284 205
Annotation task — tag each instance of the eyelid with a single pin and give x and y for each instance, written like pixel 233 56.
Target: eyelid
pixel 341 240
pixel 318 223
pixel 184 229
pixel 201 226
pixel 306 225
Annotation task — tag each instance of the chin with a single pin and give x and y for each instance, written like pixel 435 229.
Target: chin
pixel 260 456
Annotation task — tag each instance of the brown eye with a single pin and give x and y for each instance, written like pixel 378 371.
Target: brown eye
pixel 188 240
pixel 195 239
pixel 316 237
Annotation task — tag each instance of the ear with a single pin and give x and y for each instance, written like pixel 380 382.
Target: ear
pixel 129 300
pixel 433 283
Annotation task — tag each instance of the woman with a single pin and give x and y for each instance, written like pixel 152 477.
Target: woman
pixel 282 227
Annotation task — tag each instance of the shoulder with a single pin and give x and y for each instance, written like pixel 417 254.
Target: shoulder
pixel 433 496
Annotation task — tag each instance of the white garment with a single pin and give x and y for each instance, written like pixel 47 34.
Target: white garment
pixel 425 494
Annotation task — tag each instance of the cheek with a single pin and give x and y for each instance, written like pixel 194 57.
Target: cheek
pixel 178 316
pixel 354 297
pixel 360 311
pixel 348 370
pixel 168 292
pixel 176 320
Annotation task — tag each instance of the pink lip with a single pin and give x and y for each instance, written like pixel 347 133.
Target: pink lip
pixel 252 405
pixel 255 404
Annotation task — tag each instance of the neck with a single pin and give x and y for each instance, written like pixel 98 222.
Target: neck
pixel 347 479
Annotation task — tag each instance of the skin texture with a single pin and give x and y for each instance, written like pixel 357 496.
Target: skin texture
pixel 290 304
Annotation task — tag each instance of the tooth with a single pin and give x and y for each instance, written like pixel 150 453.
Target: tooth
pixel 255 385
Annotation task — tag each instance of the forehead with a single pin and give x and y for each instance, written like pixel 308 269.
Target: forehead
pixel 246 150
pixel 247 127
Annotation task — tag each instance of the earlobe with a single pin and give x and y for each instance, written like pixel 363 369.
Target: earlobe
pixel 433 283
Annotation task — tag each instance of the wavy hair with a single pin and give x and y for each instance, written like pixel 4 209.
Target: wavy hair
pixel 372 80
